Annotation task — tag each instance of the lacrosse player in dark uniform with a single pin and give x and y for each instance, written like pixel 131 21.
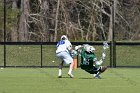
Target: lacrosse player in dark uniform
pixel 89 62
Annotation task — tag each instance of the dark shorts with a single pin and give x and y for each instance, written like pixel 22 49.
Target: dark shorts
pixel 94 70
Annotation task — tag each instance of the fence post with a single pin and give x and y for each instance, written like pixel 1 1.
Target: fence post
pixel 41 55
pixel 111 54
pixel 4 55
pixel 113 44
pixel 114 54
pixel 4 33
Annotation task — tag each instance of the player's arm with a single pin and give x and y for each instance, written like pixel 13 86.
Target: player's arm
pixel 99 62
pixel 78 49
pixel 68 45
pixel 70 48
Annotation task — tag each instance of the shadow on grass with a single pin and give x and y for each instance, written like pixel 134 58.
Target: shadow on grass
pixel 64 77
pixel 85 78
pixel 76 78
pixel 91 78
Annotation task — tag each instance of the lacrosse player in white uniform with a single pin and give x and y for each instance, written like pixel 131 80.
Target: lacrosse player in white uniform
pixel 63 51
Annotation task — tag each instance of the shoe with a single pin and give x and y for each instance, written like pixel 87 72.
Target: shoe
pixel 59 76
pixel 98 77
pixel 71 76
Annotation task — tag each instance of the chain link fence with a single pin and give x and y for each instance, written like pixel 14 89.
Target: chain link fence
pixel 43 55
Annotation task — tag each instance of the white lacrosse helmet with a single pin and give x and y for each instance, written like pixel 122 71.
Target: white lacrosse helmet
pixel 64 37
pixel 90 49
pixel 85 45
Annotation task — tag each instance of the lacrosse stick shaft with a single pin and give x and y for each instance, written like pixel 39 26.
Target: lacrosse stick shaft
pixel 105 46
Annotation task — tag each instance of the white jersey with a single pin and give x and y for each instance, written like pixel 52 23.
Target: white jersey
pixel 63 45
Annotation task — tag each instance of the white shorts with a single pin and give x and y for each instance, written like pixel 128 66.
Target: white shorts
pixel 65 56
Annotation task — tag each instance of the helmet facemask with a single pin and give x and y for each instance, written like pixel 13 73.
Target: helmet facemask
pixel 89 49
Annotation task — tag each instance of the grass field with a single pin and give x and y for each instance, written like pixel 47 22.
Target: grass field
pixel 44 80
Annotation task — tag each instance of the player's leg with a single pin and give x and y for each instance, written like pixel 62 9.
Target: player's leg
pixel 60 56
pixel 60 69
pixel 94 70
pixel 69 60
pixel 97 71
pixel 70 70
pixel 101 70
pixel 97 75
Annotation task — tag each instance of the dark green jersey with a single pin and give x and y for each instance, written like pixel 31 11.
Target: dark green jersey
pixel 87 60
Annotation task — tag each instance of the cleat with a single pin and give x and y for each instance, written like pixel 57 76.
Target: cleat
pixel 59 76
pixel 97 77
pixel 71 76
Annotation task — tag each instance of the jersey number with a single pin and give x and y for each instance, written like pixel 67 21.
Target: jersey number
pixel 60 43
pixel 86 62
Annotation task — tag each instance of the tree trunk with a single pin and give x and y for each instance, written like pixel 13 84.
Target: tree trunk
pixel 110 28
pixel 112 21
pixel 14 28
pixel 56 20
pixel 94 33
pixel 23 21
pixel 110 24
pixel 45 21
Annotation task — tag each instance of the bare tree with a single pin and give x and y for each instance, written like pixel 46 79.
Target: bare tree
pixel 81 20
pixel 14 34
pixel 56 19
pixel 23 21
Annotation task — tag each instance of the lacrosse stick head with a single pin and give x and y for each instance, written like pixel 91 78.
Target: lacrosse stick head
pixel 105 45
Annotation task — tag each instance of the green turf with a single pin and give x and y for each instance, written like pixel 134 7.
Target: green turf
pixel 44 80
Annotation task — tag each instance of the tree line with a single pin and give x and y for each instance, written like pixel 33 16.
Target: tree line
pixel 81 20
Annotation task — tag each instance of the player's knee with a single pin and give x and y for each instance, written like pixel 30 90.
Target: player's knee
pixel 103 68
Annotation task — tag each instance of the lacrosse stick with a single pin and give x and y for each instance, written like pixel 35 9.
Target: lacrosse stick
pixel 105 46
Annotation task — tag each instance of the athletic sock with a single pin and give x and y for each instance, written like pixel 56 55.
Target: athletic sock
pixel 70 71
pixel 60 72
